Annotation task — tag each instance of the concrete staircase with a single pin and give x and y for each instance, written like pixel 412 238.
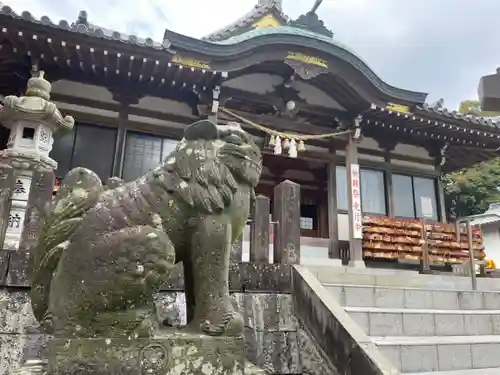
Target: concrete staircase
pixel 423 324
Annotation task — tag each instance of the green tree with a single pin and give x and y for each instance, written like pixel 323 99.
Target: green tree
pixel 470 191
pixel 473 107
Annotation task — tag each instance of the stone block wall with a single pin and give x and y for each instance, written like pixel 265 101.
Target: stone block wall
pixel 276 340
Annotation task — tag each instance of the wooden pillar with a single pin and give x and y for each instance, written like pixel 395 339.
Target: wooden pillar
pixel 286 214
pixel 354 204
pixel 259 232
pixel 125 99
pixel 438 152
pixel 440 198
pixel 121 138
pixel 333 227
pixel 214 109
pixel 216 91
pixel 388 185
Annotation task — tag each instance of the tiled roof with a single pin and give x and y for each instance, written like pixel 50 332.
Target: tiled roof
pixel 476 120
pixel 490 216
pixel 258 11
pixel 83 27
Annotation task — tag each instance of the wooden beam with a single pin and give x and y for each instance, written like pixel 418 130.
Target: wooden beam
pixel 333 226
pixel 388 186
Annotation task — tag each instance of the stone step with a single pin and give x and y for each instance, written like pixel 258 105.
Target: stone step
pixel 414 298
pixel 422 322
pixel 440 353
pixel 482 371
pixel 398 278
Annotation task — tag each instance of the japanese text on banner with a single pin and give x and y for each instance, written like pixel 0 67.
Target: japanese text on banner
pixel 357 216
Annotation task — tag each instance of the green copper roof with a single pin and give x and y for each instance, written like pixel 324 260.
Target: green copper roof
pixel 284 30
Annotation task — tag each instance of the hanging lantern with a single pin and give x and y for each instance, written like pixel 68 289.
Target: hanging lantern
pixel 292 151
pixel 277 146
pixel 302 146
pixel 286 144
pixel 272 141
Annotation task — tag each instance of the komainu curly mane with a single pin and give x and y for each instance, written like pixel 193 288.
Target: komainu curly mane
pixel 207 173
pixel 106 252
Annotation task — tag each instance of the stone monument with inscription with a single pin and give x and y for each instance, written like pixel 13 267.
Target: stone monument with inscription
pixel 104 253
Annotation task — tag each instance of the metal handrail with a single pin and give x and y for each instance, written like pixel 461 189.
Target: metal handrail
pixel 472 257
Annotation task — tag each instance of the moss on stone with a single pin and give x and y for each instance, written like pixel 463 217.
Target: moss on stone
pixel 171 354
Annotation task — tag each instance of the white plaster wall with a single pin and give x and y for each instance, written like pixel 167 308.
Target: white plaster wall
pixel 411 150
pixel 98 93
pixel 81 90
pixel 262 83
pixel 343 227
pixel 257 83
pixel 164 106
pixel 491 238
pixel 369 143
pixel 73 109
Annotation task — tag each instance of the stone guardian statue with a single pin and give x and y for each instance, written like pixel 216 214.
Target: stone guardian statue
pixel 104 253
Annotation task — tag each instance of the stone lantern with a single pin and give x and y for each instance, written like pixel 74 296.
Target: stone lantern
pixel 25 165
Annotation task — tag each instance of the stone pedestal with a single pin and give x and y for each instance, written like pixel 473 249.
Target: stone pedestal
pixel 169 354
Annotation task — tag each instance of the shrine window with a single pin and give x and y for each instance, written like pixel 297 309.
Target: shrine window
pixel 341 180
pixel 144 152
pixel 308 216
pixel 87 146
pixel 373 191
pixel 414 197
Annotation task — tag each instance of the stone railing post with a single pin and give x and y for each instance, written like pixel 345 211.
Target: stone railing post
pixel 26 170
pixel 286 215
pixel 259 232
pixel 237 250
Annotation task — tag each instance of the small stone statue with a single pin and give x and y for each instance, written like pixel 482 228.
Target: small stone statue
pixel 105 253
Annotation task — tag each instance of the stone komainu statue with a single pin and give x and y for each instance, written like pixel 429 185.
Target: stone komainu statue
pixel 104 254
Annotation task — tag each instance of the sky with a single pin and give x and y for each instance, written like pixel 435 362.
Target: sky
pixel 441 47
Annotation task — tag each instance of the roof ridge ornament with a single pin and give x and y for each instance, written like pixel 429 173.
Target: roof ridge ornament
pixel 278 4
pixel 310 21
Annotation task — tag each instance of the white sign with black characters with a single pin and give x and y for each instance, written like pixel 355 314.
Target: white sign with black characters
pixel 17 214
pixel 16 220
pixel 21 188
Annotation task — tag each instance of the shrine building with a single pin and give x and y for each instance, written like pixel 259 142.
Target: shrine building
pixel 368 156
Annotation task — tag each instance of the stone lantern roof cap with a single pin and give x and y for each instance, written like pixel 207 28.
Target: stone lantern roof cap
pixel 35 106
